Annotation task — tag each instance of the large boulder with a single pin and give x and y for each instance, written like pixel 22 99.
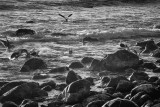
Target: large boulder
pixel 136 76
pixel 33 64
pixel 25 91
pixel 76 65
pixel 87 60
pixel 120 60
pixel 75 91
pixel 22 32
pixel 10 85
pixel 71 77
pixel 149 89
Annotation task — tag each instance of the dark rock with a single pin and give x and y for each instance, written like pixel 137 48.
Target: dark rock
pixel 59 70
pixel 30 21
pixel 97 97
pixel 40 76
pixel 147 89
pixel 156 26
pixel 136 76
pixel 156 105
pixel 153 79
pixel 142 44
pixel 115 80
pixel 158 44
pixel 151 46
pixel 71 77
pixel 10 85
pixel 90 79
pixel 108 90
pixel 140 98
pixel 87 60
pixel 31 104
pixel 124 86
pixel 148 103
pixel 75 91
pixel 156 53
pixel 9 104
pixel 157 70
pixel 103 73
pixel 149 65
pixel 33 64
pixel 90 39
pixel 21 92
pixel 48 82
pixel 22 32
pixel 55 104
pixel 95 65
pixel 120 60
pixel 158 61
pixel 120 103
pixel 61 87
pixel 3 83
pixel 97 103
pixel 47 88
pixel 105 80
pixel 76 65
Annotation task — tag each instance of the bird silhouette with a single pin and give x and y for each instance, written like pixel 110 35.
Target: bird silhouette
pixel 66 18
pixel 6 43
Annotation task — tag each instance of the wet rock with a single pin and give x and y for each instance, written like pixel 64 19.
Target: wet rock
pixel 120 103
pixel 108 90
pixel 71 77
pixel 89 39
pixel 115 80
pixel 75 91
pixel 97 103
pixel 40 76
pixel 10 85
pixel 22 32
pixel 61 87
pixel 156 53
pixel 48 82
pixel 157 70
pixel 33 64
pixel 151 46
pixel 158 61
pixel 140 98
pixel 3 83
pixel 153 79
pixel 76 65
pixel 148 103
pixel 87 60
pixel 105 80
pixel 95 65
pixel 149 65
pixel 147 89
pixel 136 76
pixel 21 92
pixel 156 26
pixel 9 104
pixel 31 104
pixel 156 105
pixel 103 73
pixel 90 79
pixel 128 97
pixel 97 97
pixel 55 104
pixel 59 70
pixel 47 88
pixel 142 44
pixel 124 86
pixel 120 60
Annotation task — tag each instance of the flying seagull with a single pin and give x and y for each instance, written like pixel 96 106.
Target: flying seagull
pixel 66 18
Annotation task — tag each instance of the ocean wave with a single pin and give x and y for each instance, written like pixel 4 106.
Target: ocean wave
pixel 121 33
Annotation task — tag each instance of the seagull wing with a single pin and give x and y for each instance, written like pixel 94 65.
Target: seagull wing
pixel 70 15
pixel 62 16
